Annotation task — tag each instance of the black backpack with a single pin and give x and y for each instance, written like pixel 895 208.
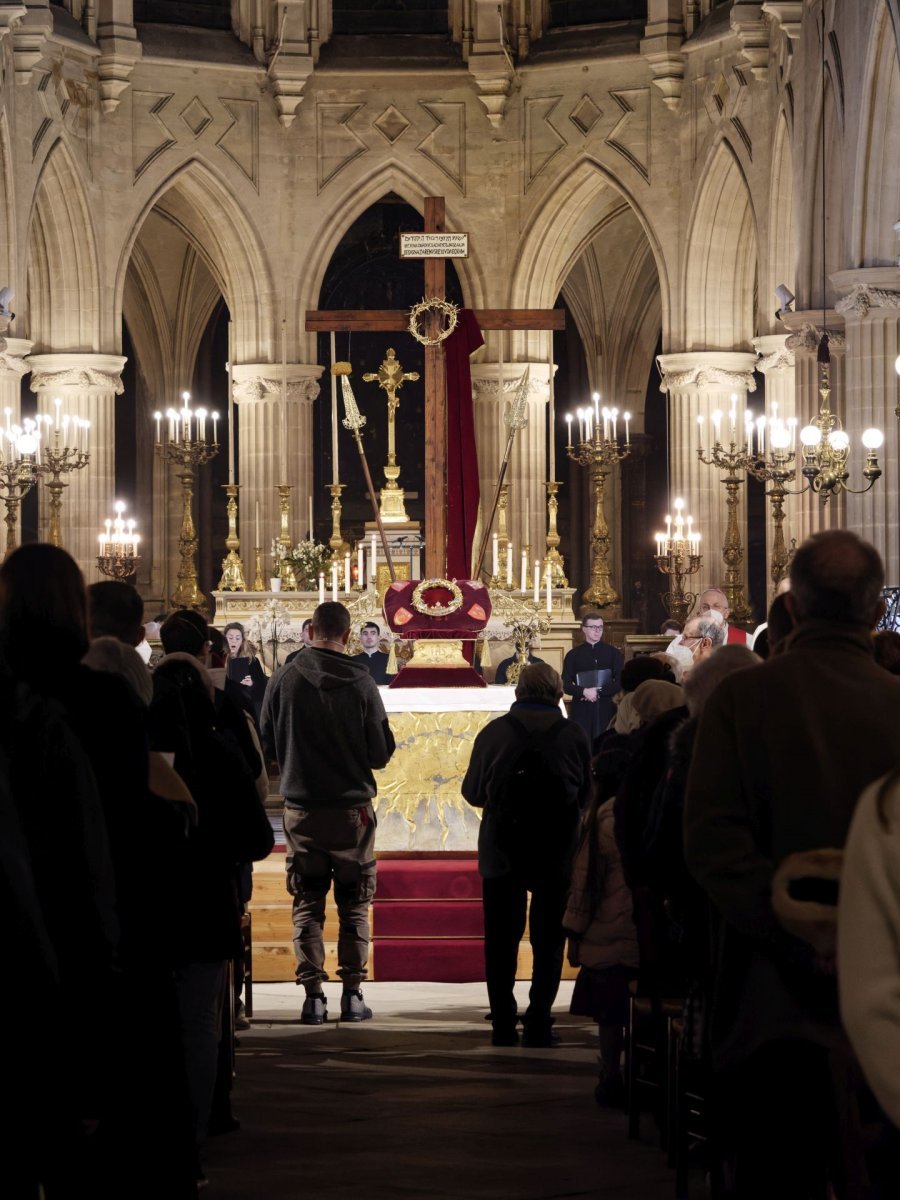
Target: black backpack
pixel 529 827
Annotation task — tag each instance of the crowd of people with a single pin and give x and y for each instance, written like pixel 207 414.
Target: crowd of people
pixel 714 824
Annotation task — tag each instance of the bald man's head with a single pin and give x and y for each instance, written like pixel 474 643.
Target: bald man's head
pixel 836 576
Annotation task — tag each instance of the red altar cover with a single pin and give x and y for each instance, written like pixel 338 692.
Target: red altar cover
pixel 463 624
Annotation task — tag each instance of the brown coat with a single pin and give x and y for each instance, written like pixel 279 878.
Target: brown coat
pixel 606 933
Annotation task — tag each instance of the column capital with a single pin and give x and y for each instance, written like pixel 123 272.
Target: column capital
pixel 806 333
pixel 866 288
pixel 89 374
pixel 486 381
pixel 707 370
pixel 13 351
pixel 262 381
pixel 773 352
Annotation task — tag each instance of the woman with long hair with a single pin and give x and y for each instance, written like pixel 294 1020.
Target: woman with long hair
pixel 243 666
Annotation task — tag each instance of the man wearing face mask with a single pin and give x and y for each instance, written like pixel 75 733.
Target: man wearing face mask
pixel 591 677
pixel 702 635
pixel 715 600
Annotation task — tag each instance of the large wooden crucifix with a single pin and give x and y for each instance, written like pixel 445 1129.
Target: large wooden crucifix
pixel 395 320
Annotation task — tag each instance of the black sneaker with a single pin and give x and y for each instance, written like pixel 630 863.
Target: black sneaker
pixel 353 1008
pixel 315 1010
pixel 540 1039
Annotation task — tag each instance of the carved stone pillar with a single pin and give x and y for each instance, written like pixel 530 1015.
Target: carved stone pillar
pixel 276 446
pixel 120 50
pixel 697 384
pixel 87 384
pixel 13 352
pixel 871 308
pixel 527 469
pixel 776 363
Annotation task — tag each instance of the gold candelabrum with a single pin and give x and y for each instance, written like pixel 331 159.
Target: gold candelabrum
pixel 390 377
pixel 118 546
pixel 776 464
pixel 63 452
pixel 18 471
pixel 186 447
pixel 339 547
pixel 825 445
pixel 288 578
pixel 259 583
pixel 553 560
pixel 232 567
pixel 678 557
pixel 524 633
pixel 599 449
pixel 735 461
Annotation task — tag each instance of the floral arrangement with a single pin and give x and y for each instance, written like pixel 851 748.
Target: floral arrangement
pixel 308 559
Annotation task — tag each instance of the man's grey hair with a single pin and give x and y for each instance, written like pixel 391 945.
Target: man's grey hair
pixel 836 576
pixel 539 681
pixel 709 627
pixel 700 683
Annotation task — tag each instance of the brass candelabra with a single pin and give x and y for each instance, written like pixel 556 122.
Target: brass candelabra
pixel 678 558
pixel 232 567
pixel 18 472
pixel 187 448
pixel 339 548
pixel 288 578
pixel 735 461
pixel 599 449
pixel 118 557
pixel 61 455
pixel 553 560
pixel 777 467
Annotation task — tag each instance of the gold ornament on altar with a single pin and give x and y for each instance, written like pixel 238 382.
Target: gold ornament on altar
pixel 434 306
pixel 436 610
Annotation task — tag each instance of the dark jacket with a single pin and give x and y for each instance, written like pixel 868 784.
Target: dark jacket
pixel 375 664
pixel 324 721
pixel 592 716
pixel 782 754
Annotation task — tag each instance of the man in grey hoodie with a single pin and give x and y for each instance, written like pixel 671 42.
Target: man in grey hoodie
pixel 323 720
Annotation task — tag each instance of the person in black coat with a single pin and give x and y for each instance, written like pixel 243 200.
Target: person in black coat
pixel 592 707
pixel 372 657
pixel 243 667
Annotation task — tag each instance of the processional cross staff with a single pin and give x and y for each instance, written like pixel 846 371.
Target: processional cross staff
pixel 394 320
pixel 390 377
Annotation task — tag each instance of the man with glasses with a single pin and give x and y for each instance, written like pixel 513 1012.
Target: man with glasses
pixel 715 600
pixel 591 677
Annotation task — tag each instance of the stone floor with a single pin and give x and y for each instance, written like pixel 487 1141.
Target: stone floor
pixel 418 1104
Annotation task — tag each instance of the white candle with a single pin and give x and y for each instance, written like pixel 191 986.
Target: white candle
pixel 284 398
pixel 215 421
pixel 580 414
pixel 321 587
pixel 524 573
pixel 626 417
pixel 359 565
pixel 372 562
pixel 335 472
pixel 509 558
pixel 230 370
pixel 57 402
pixel 347 571
pixel 311 538
pixel 549 593
pixel 551 416
pixel 668 526
pixel 615 417
pixel 157 417
pixel 257 544
pixel 527 520
pixel 717 420
pixel 537 582
pixel 494 556
pixel 334 581
pixel 568 429
pixel 596 399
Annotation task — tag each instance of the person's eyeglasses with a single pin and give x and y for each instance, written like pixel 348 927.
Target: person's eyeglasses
pixel 593 626
pixel 684 640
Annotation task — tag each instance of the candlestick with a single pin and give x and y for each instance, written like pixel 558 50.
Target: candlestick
pixel 359 564
pixel 524 586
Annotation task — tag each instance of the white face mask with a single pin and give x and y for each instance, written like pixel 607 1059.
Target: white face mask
pixel 682 655
pixel 145 650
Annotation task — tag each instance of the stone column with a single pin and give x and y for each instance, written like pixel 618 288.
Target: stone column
pixel 527 471
pixel 276 446
pixel 871 309
pixel 698 383
pixel 87 384
pixel 776 363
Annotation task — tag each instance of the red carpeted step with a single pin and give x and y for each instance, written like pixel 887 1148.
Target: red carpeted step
pixel 444 960
pixel 427 918
pixel 430 878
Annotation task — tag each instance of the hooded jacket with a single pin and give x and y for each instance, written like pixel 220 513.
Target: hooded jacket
pixel 324 721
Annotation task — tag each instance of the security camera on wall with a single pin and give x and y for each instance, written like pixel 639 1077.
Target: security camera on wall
pixel 785 298
pixel 6 298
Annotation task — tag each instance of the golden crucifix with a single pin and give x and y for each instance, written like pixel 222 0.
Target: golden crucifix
pixel 390 377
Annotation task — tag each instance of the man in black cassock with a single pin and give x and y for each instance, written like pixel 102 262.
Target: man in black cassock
pixel 592 706
pixel 372 657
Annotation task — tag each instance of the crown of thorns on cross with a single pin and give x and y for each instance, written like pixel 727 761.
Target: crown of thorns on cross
pixel 428 336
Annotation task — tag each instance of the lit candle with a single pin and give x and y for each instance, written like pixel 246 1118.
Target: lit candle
pixel 215 421
pixel 257 544
pixel 716 420
pixel 334 582
pixel 335 472
pixel 626 417
pixel 494 556
pixel 359 564
pixel 509 558
pixel 569 429
pixel 580 414
pixel 537 582
pixel 372 561
pixel 733 414
pixel 57 402
pixel 614 414
pixel 157 417
pixel 321 587
pixel 311 538
pixel 347 571
pixel 668 527
pixel 201 420
pixel 549 593
pixel 524 573
pixel 596 399
pixel 284 401
pixel 761 435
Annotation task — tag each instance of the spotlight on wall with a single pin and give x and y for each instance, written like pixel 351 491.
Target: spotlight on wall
pixel 6 298
pixel 785 298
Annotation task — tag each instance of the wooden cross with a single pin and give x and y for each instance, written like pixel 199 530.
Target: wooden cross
pixel 395 320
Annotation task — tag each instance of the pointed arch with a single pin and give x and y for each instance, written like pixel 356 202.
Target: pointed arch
pixel 782 249
pixel 876 202
pixel 199 204
pixel 721 258
pixel 62 270
pixel 390 177
pixel 825 236
pixel 564 226
pixel 7 209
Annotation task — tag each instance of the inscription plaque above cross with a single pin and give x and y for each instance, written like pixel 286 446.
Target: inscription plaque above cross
pixel 397 320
